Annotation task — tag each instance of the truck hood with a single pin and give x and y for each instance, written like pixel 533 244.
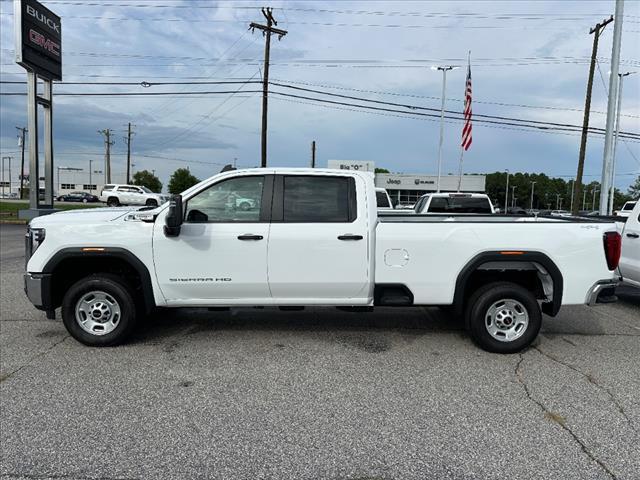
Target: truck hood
pixel 82 216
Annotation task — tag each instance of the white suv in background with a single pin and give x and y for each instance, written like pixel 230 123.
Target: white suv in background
pixel 115 195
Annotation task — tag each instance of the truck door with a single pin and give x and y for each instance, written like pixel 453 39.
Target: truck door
pixel 220 255
pixel 319 240
pixel 630 257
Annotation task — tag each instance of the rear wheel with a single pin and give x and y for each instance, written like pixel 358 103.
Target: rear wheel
pixel 503 317
pixel 113 202
pixel 99 311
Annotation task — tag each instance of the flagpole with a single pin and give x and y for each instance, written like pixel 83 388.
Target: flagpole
pixel 460 168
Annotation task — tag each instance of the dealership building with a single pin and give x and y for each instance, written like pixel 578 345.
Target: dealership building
pixel 406 188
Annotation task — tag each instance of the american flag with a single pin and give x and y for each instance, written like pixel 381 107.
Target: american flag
pixel 466 130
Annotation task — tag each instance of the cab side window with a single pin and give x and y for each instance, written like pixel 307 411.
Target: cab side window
pixel 319 199
pixel 237 200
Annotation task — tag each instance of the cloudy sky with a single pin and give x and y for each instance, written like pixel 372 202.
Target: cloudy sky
pixel 529 61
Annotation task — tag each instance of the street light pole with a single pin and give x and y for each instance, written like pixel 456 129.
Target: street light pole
pixel 533 184
pixel 593 203
pixel 90 171
pixel 557 201
pixel 513 196
pixel 506 193
pixel 615 140
pixel 584 200
pixel 3 159
pixel 444 69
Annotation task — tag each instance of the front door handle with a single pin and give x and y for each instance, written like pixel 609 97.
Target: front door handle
pixel 249 236
pixel 633 235
pixel 350 236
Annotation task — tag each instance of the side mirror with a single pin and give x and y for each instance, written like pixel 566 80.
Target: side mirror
pixel 174 217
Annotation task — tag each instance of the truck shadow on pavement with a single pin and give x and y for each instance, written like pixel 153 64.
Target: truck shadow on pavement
pixel 166 323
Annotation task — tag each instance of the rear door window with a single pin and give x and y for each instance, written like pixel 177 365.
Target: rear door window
pixel 319 199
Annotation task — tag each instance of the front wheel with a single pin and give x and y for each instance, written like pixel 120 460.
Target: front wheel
pixel 151 203
pixel 99 311
pixel 503 317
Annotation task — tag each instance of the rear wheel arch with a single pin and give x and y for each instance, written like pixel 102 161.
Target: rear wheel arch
pixel 530 269
pixel 71 264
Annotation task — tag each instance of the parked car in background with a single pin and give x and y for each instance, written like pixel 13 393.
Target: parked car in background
pixel 115 195
pixel 383 200
pixel 560 213
pixel 454 203
pixel 630 256
pixel 83 197
pixel 626 209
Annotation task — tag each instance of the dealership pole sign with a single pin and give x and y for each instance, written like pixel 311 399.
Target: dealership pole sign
pixel 38 39
pixel 39 50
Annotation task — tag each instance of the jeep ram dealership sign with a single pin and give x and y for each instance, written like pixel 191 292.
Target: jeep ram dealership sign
pixel 38 39
pixel 448 183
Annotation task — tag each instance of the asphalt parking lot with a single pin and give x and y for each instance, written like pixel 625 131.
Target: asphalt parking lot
pixel 319 394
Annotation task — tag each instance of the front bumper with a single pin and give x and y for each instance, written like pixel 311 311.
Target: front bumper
pixel 603 291
pixel 37 286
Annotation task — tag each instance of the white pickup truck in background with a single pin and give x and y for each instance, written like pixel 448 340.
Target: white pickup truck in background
pixel 630 258
pixel 313 237
pixel 454 203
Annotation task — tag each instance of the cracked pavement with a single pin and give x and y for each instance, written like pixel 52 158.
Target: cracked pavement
pixel 319 394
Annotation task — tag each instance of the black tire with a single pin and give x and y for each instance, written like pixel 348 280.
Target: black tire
pixel 113 202
pixel 84 200
pixel 477 311
pixel 116 289
pixel 151 203
pixel 245 206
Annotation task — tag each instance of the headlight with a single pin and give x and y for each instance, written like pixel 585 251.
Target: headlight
pixel 37 237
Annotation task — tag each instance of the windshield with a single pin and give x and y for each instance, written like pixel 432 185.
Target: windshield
pixel 459 205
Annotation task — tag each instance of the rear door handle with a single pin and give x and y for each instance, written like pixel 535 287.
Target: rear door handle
pixel 349 236
pixel 249 236
pixel 633 235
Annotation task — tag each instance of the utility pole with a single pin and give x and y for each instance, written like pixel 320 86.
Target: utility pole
pixel 595 31
pixel 127 140
pixel 612 174
pixel 606 182
pixel 107 155
pixel 267 30
pixel 21 139
pixel 313 154
pixel 513 196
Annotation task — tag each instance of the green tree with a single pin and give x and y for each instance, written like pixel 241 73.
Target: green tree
pixel 180 180
pixel 634 189
pixel 382 170
pixel 147 179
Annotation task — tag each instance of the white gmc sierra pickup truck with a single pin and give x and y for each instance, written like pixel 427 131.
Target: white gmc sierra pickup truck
pixel 312 237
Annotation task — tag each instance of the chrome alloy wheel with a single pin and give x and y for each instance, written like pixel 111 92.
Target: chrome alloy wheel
pixel 98 313
pixel 506 320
